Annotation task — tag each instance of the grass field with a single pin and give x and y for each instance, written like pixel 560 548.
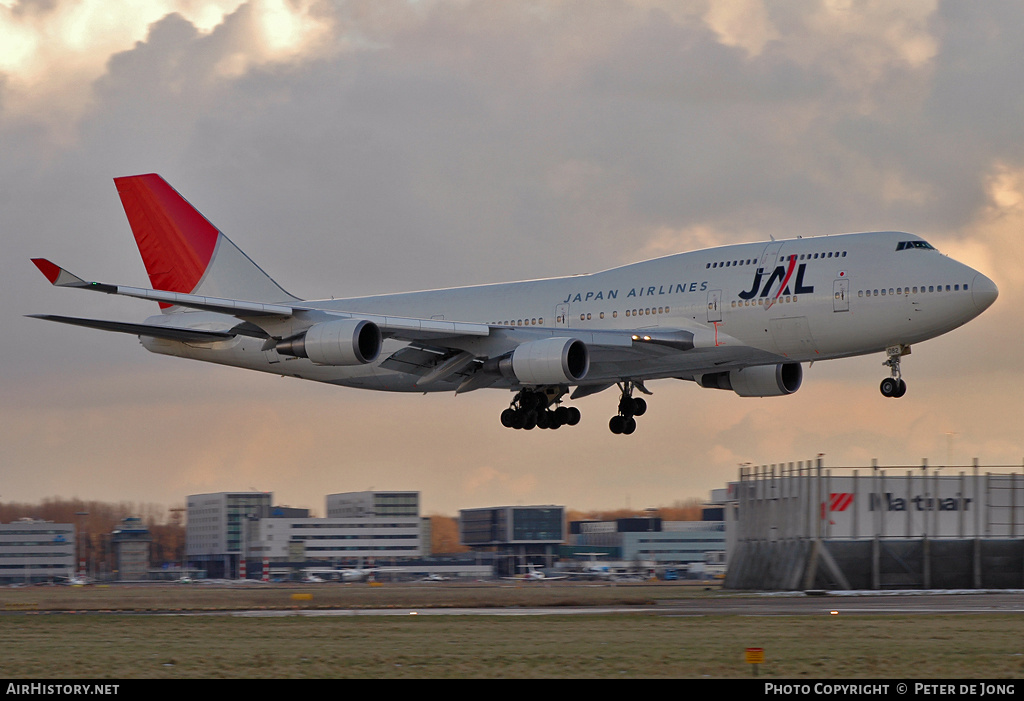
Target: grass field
pixel 104 638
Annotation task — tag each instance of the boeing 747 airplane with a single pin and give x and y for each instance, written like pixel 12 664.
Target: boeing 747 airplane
pixel 743 317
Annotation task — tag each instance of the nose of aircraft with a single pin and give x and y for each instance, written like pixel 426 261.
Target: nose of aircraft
pixel 983 292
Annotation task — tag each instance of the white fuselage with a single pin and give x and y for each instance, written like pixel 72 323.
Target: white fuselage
pixel 792 300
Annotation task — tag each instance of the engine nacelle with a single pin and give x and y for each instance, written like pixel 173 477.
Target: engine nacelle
pixel 340 342
pixel 550 361
pixel 758 380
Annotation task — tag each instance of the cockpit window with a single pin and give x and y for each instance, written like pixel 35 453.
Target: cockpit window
pixel 907 245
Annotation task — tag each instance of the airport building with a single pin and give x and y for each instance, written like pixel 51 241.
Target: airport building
pixel 229 533
pixel 36 551
pixel 522 535
pixel 130 543
pixel 217 527
pixel 794 526
pixel 651 543
pixel 373 504
pixel 379 526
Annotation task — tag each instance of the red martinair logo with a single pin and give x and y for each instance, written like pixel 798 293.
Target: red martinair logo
pixel 837 501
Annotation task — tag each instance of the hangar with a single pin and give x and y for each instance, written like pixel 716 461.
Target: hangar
pixel 800 526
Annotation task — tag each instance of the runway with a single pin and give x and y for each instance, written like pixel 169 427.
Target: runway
pixel 851 603
pixel 781 604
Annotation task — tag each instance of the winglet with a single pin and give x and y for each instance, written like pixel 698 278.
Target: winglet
pixel 58 276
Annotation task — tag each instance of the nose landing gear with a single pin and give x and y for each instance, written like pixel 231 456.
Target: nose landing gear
pixel 894 386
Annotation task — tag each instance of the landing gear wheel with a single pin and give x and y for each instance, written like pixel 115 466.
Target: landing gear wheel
pixel 530 420
pixel 535 407
pixel 894 386
pixel 508 418
pixel 629 407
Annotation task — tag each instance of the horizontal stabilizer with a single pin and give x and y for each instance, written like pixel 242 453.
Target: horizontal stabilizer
pixel 60 277
pixel 170 333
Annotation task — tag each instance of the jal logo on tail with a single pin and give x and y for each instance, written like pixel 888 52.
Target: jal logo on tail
pixel 783 274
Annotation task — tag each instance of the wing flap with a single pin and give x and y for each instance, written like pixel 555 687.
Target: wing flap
pixel 431 364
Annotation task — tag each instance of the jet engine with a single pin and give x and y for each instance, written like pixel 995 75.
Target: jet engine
pixel 340 342
pixel 550 361
pixel 758 380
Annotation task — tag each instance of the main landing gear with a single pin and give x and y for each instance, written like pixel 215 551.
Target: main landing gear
pixel 629 407
pixel 894 386
pixel 537 408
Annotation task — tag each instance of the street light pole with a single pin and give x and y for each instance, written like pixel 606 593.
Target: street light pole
pixel 82 570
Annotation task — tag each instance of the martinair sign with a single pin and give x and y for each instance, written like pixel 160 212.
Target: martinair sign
pixel 905 505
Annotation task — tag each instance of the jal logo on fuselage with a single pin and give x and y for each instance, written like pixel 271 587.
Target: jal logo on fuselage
pixel 782 274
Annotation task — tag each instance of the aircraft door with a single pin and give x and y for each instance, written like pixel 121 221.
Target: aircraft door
pixel 562 315
pixel 841 296
pixel 770 256
pixel 714 306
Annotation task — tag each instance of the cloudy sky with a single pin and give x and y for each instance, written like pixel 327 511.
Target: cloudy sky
pixel 386 145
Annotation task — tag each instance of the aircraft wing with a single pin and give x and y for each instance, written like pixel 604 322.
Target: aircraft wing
pixel 264 315
pixel 439 349
pixel 260 313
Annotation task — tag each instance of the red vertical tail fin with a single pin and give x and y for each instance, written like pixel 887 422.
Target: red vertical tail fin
pixel 183 251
